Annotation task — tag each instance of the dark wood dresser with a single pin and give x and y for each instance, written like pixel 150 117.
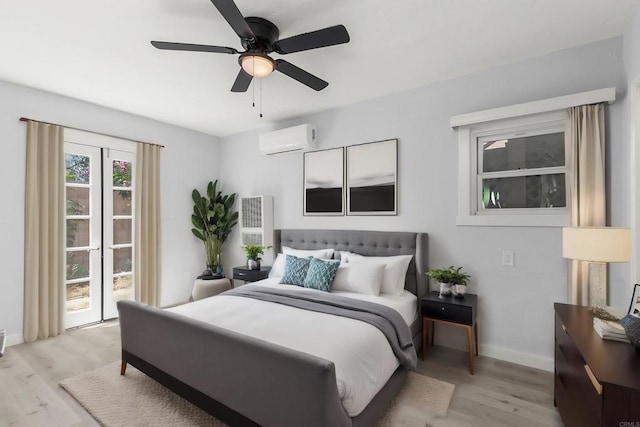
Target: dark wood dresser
pixel 597 382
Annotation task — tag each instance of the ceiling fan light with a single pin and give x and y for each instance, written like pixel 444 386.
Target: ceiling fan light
pixel 257 65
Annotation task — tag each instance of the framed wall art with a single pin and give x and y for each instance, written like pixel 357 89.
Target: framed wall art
pixel 324 182
pixel 634 307
pixel 372 178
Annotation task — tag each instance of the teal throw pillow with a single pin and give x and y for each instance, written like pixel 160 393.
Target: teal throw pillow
pixel 295 270
pixel 321 274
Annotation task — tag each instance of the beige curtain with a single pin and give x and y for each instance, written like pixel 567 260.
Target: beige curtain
pixel 44 253
pixel 585 134
pixel 147 225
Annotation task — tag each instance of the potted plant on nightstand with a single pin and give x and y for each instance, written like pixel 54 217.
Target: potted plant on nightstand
pixel 253 253
pixel 459 280
pixel 443 277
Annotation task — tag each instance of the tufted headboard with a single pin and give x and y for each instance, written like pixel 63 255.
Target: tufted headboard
pixel 368 243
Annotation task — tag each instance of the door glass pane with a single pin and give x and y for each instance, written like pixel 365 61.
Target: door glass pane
pixel 539 151
pixel 78 168
pixel 122 260
pixel 122 288
pixel 78 264
pixel 78 200
pixel 78 296
pixel 122 202
pixel 77 233
pixel 121 231
pixel 537 191
pixel 121 173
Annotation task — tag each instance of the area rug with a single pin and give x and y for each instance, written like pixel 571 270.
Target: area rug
pixel 137 400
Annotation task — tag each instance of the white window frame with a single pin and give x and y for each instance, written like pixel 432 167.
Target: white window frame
pixel 546 116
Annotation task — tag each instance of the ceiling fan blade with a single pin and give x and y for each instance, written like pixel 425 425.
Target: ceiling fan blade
pixel 321 38
pixel 300 75
pixel 242 82
pixel 193 47
pixel 232 15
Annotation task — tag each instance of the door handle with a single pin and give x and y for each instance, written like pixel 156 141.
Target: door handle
pixel 97 248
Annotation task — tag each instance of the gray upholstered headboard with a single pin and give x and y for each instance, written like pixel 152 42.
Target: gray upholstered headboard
pixel 369 243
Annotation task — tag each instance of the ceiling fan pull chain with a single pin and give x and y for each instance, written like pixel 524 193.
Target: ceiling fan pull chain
pixel 253 87
pixel 261 97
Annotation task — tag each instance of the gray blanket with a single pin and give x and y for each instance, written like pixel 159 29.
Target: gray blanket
pixel 386 319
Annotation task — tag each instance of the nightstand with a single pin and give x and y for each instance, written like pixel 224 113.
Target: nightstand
pixel 244 273
pixel 452 311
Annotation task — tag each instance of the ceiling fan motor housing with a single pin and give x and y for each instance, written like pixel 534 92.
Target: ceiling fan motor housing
pixel 266 34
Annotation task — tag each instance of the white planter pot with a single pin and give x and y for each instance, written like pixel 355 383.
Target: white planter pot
pixel 459 290
pixel 445 288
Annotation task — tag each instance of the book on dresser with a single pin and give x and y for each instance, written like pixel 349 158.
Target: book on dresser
pixel 610 330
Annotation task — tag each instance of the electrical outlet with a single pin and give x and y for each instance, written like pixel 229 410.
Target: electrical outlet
pixel 507 258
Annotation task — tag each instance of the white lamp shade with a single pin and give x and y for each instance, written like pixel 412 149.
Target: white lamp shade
pixel 257 65
pixel 597 244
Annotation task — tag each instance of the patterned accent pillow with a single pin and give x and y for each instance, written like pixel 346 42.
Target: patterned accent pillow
pixel 295 270
pixel 321 274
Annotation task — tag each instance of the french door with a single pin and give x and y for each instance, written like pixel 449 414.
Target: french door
pixel 99 230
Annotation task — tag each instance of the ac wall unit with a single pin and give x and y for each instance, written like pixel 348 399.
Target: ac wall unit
pixel 256 220
pixel 297 138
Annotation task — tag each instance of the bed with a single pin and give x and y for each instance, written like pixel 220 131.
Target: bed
pixel 244 380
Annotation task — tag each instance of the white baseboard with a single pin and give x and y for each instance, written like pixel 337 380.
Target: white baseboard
pixel 14 340
pixel 526 359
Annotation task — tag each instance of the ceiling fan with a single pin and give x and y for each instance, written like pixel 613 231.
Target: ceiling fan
pixel 259 37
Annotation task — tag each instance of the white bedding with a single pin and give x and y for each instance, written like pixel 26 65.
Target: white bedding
pixel 362 356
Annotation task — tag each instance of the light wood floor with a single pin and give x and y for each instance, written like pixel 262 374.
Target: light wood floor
pixel 499 394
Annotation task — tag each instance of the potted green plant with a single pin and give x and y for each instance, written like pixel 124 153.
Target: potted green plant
pixel 443 277
pixel 253 253
pixel 213 220
pixel 459 280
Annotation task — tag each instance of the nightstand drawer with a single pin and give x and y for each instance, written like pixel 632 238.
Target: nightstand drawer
pixel 243 273
pixel 446 311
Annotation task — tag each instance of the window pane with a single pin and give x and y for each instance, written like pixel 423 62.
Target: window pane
pixel 121 173
pixel 122 202
pixel 78 168
pixel 537 191
pixel 121 231
pixel 539 151
pixel 77 233
pixel 77 201
pixel 77 265
pixel 122 288
pixel 122 260
pixel 78 296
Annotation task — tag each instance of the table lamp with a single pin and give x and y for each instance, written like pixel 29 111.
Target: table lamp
pixel 598 246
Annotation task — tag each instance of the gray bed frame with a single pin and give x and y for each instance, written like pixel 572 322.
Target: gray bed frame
pixel 246 381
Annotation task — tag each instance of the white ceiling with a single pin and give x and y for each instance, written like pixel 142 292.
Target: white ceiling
pixel 99 51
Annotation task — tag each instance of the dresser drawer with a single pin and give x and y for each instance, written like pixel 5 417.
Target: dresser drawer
pixel 566 344
pixel 578 386
pixel 445 311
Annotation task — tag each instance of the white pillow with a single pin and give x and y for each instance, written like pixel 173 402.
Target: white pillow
pixel 362 278
pixel 395 271
pixel 277 270
pixel 302 253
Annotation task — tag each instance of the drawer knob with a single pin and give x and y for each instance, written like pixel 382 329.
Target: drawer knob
pixel 442 308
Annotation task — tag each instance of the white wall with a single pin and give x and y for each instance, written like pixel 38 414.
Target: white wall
pixel 189 160
pixel 516 303
pixel 631 128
